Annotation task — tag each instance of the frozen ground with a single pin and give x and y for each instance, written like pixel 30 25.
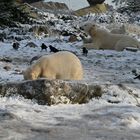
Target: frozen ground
pixel 116 115
pixel 99 119
pixel 100 66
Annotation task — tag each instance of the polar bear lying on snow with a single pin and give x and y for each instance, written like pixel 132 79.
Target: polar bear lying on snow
pixel 102 39
pixel 120 30
pixel 61 65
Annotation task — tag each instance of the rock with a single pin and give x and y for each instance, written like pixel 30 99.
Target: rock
pixel 12 15
pixel 131 49
pixel 94 2
pixel 31 45
pixel 2 36
pixel 49 92
pixel 130 7
pixel 73 38
pixel 18 38
pixel 52 91
pixel 6 59
pixel 65 33
pixel 17 70
pixel 66 17
pixel 39 30
pixel 51 6
pixel 27 11
pixel 98 8
pixel 5 115
pixel 7 68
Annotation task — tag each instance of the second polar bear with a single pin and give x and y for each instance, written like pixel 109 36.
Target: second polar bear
pixel 102 39
pixel 62 65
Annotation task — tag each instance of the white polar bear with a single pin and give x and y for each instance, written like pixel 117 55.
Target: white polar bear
pixel 61 65
pixel 120 30
pixel 102 39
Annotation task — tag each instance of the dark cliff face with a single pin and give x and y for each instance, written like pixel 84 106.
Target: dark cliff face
pixel 94 2
pixel 14 12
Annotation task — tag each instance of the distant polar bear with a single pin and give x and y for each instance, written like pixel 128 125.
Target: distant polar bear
pixel 61 65
pixel 120 30
pixel 102 39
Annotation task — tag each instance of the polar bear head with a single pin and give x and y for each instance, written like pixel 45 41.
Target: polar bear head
pixel 89 28
pixel 31 73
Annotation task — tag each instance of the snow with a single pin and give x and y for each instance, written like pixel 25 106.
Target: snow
pixel 115 115
pixel 78 121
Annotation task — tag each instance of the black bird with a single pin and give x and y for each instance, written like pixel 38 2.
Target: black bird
pixel 53 49
pixel 43 46
pixel 134 71
pixel 16 45
pixel 137 77
pixel 85 51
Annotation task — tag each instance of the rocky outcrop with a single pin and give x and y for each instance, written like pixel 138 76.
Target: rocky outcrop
pixel 15 14
pixel 52 91
pixel 12 15
pixel 94 2
pixel 98 8
pixel 52 6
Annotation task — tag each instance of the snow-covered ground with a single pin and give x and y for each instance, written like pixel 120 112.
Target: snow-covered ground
pixel 116 115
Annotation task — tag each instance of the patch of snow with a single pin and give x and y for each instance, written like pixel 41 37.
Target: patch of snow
pixel 115 115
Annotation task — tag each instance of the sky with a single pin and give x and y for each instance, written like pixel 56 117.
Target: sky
pixel 75 4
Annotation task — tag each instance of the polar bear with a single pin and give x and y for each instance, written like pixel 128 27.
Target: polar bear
pixel 102 39
pixel 120 30
pixel 61 65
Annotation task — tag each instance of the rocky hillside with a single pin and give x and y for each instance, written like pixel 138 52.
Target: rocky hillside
pixel 50 6
pixel 98 8
pixel 13 14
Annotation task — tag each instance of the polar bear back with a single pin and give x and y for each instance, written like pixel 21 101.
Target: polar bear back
pixel 115 41
pixel 102 39
pixel 65 64
pixel 60 65
pixel 110 40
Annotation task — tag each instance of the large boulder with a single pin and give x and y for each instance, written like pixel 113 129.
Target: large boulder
pixel 49 92
pixel 98 8
pixel 50 6
pixel 94 2
pixel 52 91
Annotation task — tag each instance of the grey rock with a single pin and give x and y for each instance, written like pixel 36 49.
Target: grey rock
pixel 52 91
